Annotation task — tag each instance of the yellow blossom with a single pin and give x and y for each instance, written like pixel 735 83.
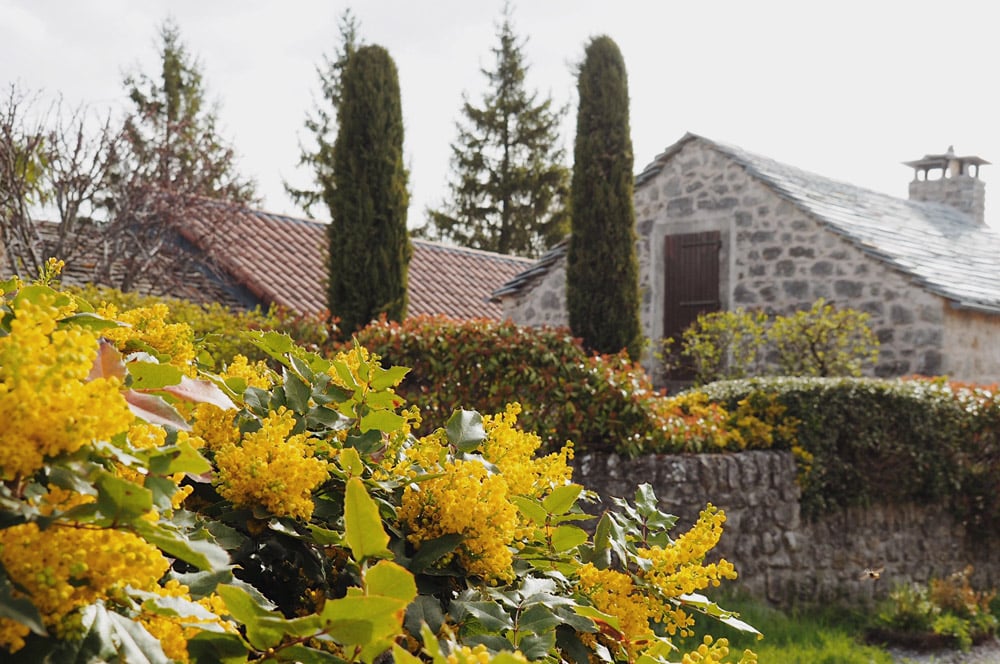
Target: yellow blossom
pixel 616 594
pixel 677 569
pixel 147 328
pixel 271 468
pixel 215 426
pixel 465 499
pixel 68 566
pixel 47 404
pixel 255 375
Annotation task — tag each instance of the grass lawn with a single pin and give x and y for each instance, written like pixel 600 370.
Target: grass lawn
pixel 806 637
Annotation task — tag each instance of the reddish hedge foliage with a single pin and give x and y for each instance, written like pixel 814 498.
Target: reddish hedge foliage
pixel 599 402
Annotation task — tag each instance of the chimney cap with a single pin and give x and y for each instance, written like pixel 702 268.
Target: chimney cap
pixel 943 161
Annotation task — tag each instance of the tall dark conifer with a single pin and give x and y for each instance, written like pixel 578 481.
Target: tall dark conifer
pixel 509 186
pixel 602 273
pixel 321 123
pixel 369 244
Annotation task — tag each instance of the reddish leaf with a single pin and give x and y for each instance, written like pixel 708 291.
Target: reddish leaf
pixel 108 363
pixel 155 410
pixel 200 391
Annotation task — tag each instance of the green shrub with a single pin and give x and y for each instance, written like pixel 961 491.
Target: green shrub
pixel 863 440
pixel 824 341
pixel 945 612
pixel 728 345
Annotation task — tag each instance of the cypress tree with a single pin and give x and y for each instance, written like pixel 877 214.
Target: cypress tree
pixel 509 188
pixel 368 242
pixel 602 271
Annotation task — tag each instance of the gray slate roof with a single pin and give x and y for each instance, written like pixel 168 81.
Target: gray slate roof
pixel 942 249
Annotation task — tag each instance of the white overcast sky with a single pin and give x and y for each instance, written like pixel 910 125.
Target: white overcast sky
pixel 847 89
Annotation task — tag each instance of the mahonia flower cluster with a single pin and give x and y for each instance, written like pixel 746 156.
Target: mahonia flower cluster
pixel 514 454
pixel 257 374
pixel 468 500
pixel 68 566
pixel 271 468
pixel 147 327
pixel 677 569
pixel 47 404
pixel 616 594
pixel 715 651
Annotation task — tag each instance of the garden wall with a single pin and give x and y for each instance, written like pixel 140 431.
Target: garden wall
pixel 780 554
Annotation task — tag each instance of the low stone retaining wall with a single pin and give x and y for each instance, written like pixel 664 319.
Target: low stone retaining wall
pixel 781 555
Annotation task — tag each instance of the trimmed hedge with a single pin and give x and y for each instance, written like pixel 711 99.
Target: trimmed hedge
pixel 600 402
pixel 866 440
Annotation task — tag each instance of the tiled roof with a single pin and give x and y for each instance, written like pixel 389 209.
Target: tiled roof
pixel 944 250
pixel 281 260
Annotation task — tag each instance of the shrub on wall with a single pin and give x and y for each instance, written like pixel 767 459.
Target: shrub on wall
pixel 600 403
pixel 727 345
pixel 155 513
pixel 864 440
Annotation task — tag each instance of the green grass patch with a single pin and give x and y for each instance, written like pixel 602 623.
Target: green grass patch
pixel 814 636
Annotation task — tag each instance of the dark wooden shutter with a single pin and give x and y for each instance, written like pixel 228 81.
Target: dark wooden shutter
pixel 692 279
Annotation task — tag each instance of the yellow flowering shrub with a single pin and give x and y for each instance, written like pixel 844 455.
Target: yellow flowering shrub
pixel 152 508
pixel 271 468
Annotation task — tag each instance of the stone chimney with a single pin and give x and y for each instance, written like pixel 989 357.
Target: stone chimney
pixel 958 183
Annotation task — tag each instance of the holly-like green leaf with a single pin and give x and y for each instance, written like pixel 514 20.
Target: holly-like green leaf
pixel 385 421
pixel 565 538
pixel 710 608
pixel 433 550
pixel 385 378
pixel 490 615
pixel 350 462
pixel 120 500
pixel 360 620
pixel 153 376
pixel 297 393
pixel 179 458
pixel 301 654
pixel 538 619
pixel 217 648
pixel 131 641
pixel 202 553
pixel 391 580
pixel 264 629
pixel 562 498
pixel 465 430
pixel 531 508
pixel 423 610
pixel 362 523
pixel 90 321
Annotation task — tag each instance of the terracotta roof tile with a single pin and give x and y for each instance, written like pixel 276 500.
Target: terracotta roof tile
pixel 281 260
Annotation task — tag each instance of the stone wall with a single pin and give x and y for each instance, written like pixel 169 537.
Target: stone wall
pixel 781 555
pixel 976 340
pixel 543 304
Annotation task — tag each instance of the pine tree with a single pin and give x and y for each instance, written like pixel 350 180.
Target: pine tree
pixel 322 122
pixel 509 183
pixel 173 136
pixel 369 244
pixel 602 274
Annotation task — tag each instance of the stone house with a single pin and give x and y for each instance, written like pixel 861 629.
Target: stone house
pixel 720 228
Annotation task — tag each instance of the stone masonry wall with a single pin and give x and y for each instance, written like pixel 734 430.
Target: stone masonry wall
pixel 544 304
pixel 973 342
pixel 779 259
pixel 779 554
